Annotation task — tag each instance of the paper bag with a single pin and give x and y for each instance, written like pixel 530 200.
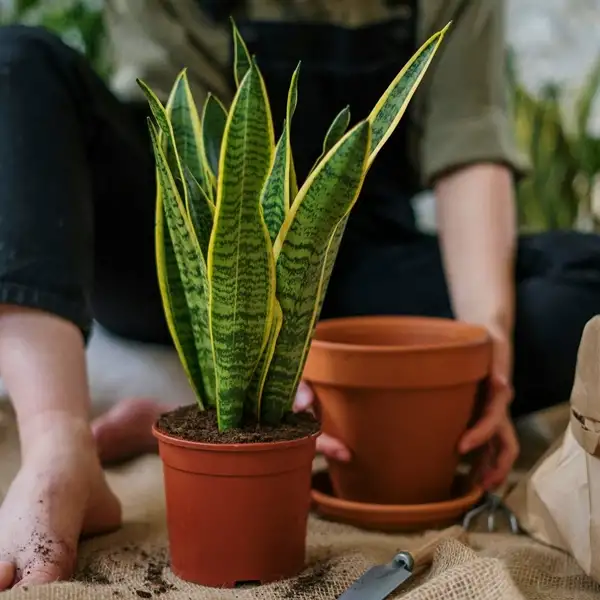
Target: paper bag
pixel 558 503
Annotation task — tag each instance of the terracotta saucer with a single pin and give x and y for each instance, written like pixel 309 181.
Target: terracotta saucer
pixel 393 517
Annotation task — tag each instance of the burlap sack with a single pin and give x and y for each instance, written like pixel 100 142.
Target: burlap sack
pixel 558 503
pixel 133 563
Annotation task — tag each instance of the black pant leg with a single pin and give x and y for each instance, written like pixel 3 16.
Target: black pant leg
pixel 46 214
pixel 126 297
pixel 77 192
pixel 558 291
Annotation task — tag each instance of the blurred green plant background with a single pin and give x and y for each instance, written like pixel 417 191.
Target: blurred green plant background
pixel 564 155
pixel 78 22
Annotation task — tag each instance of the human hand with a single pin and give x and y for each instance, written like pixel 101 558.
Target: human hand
pixel 327 445
pixel 493 434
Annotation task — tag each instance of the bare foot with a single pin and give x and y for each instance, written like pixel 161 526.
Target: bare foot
pixel 125 431
pixel 59 494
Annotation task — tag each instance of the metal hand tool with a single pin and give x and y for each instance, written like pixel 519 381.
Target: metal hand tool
pixel 380 581
pixel 493 504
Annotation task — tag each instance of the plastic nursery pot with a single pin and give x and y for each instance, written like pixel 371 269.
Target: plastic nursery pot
pixel 236 513
pixel 399 392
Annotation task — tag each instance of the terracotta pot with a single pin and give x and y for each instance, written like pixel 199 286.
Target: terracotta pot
pixel 399 392
pixel 236 513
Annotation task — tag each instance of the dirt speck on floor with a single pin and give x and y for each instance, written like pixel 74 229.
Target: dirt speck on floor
pixel 148 571
pixel 313 580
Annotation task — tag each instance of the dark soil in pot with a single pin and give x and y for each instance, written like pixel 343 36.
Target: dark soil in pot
pixel 237 502
pixel 193 425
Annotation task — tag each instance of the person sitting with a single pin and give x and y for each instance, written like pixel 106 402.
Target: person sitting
pixel 77 201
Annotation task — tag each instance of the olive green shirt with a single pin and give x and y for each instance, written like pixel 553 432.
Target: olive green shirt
pixel 460 113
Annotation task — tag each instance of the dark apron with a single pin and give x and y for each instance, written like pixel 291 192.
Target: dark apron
pixel 343 66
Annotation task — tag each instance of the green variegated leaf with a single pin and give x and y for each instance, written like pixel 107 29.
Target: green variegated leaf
pixel 183 115
pixel 175 305
pixel 302 251
pixel 176 164
pixel 332 252
pixel 257 384
pixel 335 132
pixel 275 196
pixel 292 99
pixel 293 182
pixel 240 258
pixel 272 197
pixel 201 211
pixel 167 140
pixel 389 110
pixel 214 117
pixel 242 60
pixel 192 272
pixel 290 171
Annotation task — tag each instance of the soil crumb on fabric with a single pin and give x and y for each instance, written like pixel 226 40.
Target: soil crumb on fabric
pixel 154 582
pixel 91 576
pixel 154 578
pixel 311 582
pixel 150 567
pixel 190 423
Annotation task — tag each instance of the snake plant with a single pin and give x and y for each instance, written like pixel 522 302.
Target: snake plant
pixel 244 254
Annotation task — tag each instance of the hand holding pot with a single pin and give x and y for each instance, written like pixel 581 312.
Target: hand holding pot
pixel 493 433
pixel 327 445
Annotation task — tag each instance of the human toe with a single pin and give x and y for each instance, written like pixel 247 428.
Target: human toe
pixel 125 430
pixel 7 574
pixel 43 573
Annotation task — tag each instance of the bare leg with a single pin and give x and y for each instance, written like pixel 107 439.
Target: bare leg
pixel 60 491
pixel 125 431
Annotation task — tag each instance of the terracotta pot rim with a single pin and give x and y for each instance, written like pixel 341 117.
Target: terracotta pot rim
pixel 249 447
pixel 472 495
pixel 478 335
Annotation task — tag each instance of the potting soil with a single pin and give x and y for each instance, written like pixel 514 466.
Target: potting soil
pixel 134 562
pixel 191 424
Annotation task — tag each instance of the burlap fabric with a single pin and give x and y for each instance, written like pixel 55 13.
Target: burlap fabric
pixel 133 563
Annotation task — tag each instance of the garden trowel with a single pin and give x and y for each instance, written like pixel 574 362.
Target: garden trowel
pixel 380 581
